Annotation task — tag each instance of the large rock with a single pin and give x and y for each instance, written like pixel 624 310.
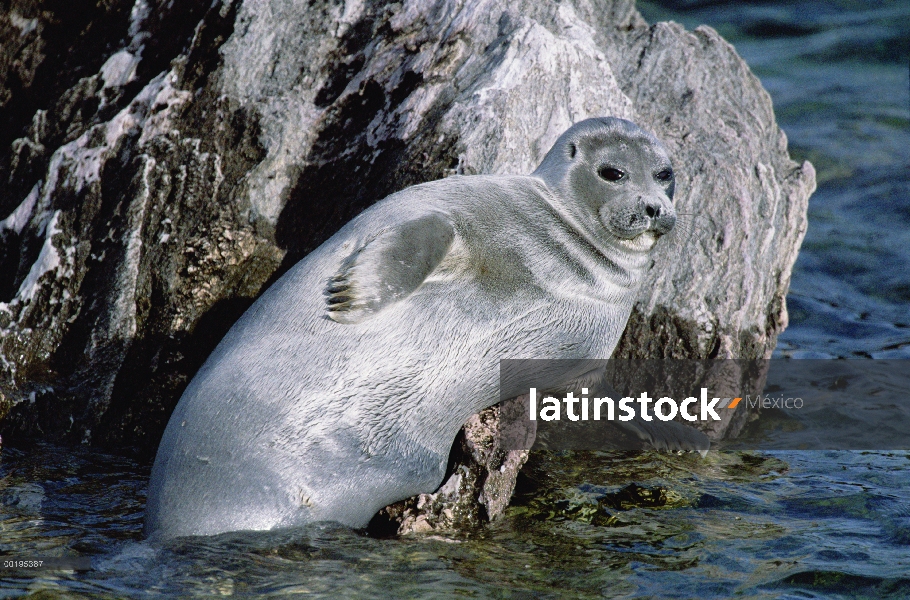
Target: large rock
pixel 165 161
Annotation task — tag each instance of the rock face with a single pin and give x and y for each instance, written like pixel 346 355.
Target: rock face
pixel 163 162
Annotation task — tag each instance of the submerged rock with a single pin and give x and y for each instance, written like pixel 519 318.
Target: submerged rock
pixel 164 162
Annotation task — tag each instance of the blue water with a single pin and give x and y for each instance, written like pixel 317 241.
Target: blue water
pixel 771 525
pixel 784 525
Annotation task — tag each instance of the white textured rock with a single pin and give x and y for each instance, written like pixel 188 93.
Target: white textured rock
pixel 18 218
pixel 120 69
pixel 47 262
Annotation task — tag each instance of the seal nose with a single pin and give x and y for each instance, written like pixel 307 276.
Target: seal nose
pixel 660 217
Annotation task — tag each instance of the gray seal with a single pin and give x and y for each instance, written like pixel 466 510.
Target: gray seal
pixel 342 388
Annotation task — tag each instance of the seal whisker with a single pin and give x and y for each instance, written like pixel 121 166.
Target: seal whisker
pixel 686 230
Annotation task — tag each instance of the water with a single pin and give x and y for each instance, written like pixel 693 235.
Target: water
pixel 774 525
pixel 810 524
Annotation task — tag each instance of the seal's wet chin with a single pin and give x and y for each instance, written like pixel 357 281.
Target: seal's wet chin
pixel 640 243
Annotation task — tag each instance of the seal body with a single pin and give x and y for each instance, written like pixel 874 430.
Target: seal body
pixel 342 388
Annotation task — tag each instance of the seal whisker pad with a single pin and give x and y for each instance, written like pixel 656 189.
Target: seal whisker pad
pixel 352 374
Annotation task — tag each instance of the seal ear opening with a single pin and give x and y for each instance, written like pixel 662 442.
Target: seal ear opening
pixel 572 150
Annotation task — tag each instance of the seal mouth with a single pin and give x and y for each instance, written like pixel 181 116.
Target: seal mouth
pixel 640 243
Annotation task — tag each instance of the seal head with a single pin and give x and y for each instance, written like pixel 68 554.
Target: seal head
pixel 619 179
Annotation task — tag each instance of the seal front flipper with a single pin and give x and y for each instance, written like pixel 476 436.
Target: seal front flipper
pixel 388 268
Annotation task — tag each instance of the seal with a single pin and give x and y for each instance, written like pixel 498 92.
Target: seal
pixel 341 389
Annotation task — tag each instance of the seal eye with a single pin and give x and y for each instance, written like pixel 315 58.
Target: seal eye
pixel 665 175
pixel 610 174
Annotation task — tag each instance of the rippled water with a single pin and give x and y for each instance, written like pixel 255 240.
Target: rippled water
pixel 775 525
pixel 802 525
